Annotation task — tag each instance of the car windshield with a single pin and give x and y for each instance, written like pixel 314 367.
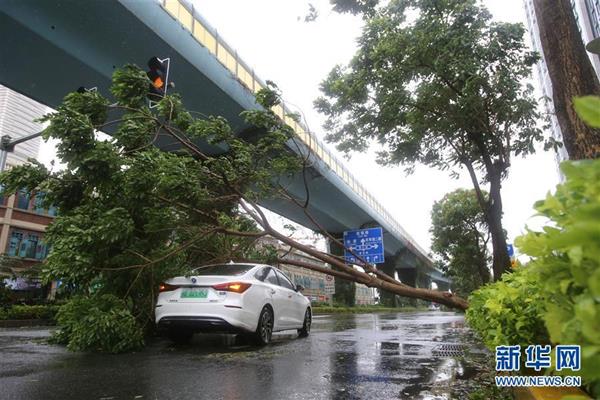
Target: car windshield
pixel 224 269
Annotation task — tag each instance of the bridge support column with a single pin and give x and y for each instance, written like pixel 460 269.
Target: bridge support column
pixel 345 292
pixel 389 267
pixel 423 281
pixel 408 276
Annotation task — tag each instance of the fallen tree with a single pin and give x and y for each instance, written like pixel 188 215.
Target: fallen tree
pixel 131 215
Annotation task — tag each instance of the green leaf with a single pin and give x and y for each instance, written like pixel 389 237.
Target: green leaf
pixel 588 109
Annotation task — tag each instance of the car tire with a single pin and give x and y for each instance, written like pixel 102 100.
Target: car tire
pixel 305 330
pixel 180 336
pixel 264 329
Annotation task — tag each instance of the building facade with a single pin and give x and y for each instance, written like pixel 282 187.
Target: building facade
pixel 23 219
pixel 587 15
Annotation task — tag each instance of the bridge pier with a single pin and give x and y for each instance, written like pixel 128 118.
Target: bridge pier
pixel 388 267
pixel 442 286
pixel 345 292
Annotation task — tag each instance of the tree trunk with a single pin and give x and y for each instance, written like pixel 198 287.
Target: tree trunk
pixel 482 269
pixel 501 260
pixel 348 273
pixel 571 73
pixel 492 210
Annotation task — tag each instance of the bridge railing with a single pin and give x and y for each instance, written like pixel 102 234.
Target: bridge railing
pixel 208 37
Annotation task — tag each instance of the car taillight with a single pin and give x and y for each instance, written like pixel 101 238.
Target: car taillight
pixel 237 287
pixel 165 287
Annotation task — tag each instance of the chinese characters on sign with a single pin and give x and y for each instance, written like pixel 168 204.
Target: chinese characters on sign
pixel 366 244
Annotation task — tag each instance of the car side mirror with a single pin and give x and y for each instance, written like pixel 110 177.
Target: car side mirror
pixel 299 288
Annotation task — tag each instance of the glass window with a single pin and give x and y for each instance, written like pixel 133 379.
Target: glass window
pixel 262 274
pixel 23 200
pixel 41 251
pixel 284 281
pixel 225 269
pixel 31 246
pixel 15 243
pixel 38 203
pixel 272 278
pixel 52 211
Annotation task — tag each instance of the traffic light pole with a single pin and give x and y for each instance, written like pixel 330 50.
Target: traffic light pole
pixel 8 146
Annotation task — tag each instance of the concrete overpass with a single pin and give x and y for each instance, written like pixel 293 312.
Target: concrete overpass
pixel 49 48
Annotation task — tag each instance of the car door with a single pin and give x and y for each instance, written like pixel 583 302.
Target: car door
pixel 278 299
pixel 294 308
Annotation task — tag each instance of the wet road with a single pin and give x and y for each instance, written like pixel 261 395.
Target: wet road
pixel 379 356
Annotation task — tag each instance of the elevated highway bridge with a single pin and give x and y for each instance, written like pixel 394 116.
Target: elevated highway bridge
pixel 49 48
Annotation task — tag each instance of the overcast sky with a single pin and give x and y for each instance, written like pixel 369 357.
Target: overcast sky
pixel 272 38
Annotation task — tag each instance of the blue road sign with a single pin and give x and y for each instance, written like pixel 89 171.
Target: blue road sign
pixel 510 249
pixel 365 243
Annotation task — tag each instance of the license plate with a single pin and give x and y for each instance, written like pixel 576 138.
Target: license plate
pixel 194 293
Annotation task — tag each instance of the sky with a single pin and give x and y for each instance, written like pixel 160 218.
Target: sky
pixel 271 37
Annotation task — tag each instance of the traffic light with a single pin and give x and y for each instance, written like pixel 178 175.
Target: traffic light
pixel 159 78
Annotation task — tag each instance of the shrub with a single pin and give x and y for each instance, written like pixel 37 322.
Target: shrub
pixel 5 293
pixel 567 258
pixel 30 312
pixel 556 297
pixel 98 323
pixel 508 312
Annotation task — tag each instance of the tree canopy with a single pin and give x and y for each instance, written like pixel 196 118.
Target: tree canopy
pixel 438 83
pixel 132 215
pixel 460 238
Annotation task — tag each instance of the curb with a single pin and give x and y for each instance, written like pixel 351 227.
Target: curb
pixel 17 323
pixel 547 393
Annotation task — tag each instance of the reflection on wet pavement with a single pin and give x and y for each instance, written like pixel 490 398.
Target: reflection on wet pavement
pixel 378 356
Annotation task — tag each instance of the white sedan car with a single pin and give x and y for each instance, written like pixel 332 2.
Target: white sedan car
pixel 232 298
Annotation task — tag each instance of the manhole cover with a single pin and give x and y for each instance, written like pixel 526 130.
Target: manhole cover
pixel 449 350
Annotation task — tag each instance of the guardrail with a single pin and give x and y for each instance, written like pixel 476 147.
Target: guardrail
pixel 208 37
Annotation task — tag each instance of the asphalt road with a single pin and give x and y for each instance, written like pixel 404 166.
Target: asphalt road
pixel 373 356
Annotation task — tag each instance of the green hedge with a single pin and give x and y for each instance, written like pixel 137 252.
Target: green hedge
pixel 22 312
pixel 556 297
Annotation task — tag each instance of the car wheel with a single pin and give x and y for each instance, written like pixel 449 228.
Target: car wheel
pixel 264 330
pixel 180 336
pixel 305 330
